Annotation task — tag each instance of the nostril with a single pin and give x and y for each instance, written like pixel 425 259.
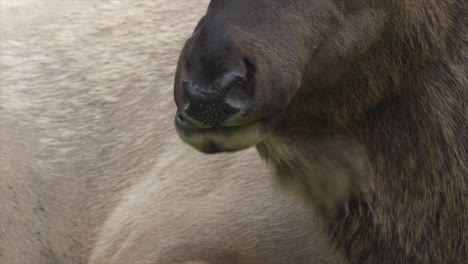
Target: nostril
pixel 211 99
pixel 242 96
pixel 191 92
pixel 229 81
pixel 180 117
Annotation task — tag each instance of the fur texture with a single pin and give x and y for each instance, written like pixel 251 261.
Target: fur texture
pixel 91 169
pixel 366 110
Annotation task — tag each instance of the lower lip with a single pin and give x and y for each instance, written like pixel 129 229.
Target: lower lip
pixel 221 139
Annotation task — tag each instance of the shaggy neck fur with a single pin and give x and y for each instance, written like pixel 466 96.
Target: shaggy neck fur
pixel 384 154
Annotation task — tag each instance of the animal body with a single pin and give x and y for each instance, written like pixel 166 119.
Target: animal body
pixel 91 169
pixel 362 105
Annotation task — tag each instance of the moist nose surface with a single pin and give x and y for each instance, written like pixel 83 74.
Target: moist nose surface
pixel 217 86
pixel 211 106
pixel 212 113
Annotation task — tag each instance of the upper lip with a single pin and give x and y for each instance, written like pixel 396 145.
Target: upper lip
pixel 195 124
pixel 189 125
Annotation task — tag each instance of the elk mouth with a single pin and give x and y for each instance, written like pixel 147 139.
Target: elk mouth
pixel 222 138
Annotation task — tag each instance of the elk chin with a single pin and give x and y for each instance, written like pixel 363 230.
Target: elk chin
pixel 222 139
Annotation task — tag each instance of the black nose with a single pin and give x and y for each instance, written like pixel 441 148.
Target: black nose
pixel 212 103
pixel 216 91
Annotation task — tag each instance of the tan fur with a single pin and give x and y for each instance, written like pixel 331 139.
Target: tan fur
pixel 91 169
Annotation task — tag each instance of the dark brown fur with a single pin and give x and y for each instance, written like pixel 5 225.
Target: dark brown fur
pixel 376 132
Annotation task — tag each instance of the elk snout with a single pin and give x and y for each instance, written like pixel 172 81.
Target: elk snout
pixel 215 103
pixel 217 90
pixel 217 84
